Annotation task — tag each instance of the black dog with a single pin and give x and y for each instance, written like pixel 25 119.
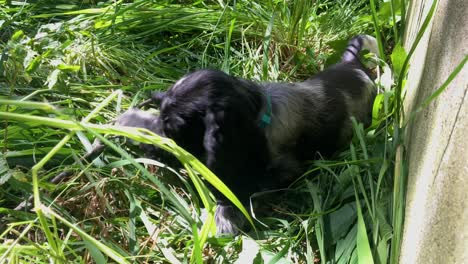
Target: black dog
pixel 259 136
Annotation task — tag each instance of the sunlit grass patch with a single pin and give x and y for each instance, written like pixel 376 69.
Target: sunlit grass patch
pixel 68 68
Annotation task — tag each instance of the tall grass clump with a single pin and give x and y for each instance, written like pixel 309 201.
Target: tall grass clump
pixel 68 68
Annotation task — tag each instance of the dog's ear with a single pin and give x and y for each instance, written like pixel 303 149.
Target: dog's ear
pixel 236 151
pixel 212 138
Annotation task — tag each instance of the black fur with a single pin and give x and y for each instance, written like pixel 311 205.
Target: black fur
pixel 216 117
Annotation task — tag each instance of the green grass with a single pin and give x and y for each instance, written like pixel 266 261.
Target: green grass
pixel 68 67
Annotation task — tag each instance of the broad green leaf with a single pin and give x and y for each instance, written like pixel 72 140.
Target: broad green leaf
pixel 134 212
pixel 52 78
pixel 95 253
pixel 5 172
pixel 340 221
pixel 17 35
pixel 398 58
pixel 382 251
pixel 377 108
pixel 310 252
pixel 346 246
pixel 385 11
pixel 363 247
pixel 68 68
pixel 32 61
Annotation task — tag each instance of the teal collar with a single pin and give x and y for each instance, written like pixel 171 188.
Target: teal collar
pixel 266 117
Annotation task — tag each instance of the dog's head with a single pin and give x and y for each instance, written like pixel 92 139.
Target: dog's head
pixel 135 117
pixel 215 117
pixel 182 111
pixel 204 101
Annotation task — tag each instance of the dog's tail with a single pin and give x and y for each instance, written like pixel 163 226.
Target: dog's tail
pixel 358 43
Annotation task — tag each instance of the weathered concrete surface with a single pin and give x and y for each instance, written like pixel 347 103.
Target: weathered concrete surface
pixel 436 224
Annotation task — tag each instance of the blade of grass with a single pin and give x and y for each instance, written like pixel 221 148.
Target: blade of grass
pixel 404 68
pixel 266 45
pixel 444 86
pixel 227 47
pixel 319 224
pixel 363 247
pixel 398 210
pixel 184 156
pixel 377 29
pixel 355 170
pixel 359 132
pixel 28 104
pixel 394 26
pixel 102 247
pixel 196 256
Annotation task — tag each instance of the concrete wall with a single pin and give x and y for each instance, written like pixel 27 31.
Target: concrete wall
pixel 436 224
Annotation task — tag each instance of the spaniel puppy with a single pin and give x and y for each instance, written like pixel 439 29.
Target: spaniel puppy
pixel 256 136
